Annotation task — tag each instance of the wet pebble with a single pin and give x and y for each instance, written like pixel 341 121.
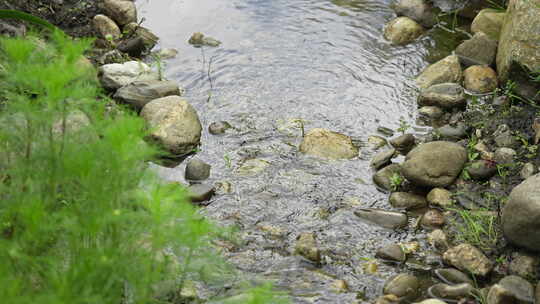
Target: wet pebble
pixel 218 127
pixel 433 218
pixel 404 286
pixel 197 170
pixel 377 142
pixel 392 252
pixel 431 112
pixel 403 143
pixel 382 158
pixel 199 193
pixel 451 292
pixel 405 200
pixel 383 218
pixel 452 276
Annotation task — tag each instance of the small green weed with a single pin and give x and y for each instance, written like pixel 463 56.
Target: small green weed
pixel 478 228
pixel 396 181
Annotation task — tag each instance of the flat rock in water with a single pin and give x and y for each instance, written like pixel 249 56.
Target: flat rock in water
pixel 468 258
pixel 306 246
pixel 328 144
pixel 383 218
pixel 453 276
pixel 392 252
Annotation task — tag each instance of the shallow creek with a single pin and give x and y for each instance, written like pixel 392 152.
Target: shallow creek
pixel 283 64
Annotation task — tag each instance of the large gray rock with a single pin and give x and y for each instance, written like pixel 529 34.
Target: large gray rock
pixel 402 30
pixel 488 21
pixel 116 75
pixel 121 11
pixel 444 95
pixel 328 144
pixel 106 27
pixel 418 10
pixel 521 215
pixel 137 94
pixel 174 124
pixel 468 258
pixel 519 46
pixel 479 50
pixel 445 70
pixel 434 164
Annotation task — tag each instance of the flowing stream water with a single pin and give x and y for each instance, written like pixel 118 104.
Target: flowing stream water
pixel 283 64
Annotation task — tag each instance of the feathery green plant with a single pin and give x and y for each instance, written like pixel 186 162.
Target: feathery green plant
pixel 82 220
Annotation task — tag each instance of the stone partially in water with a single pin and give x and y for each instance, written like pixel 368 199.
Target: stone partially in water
pixel 199 39
pixel 480 79
pixel 199 193
pixel 479 50
pixel 434 164
pixel 404 286
pixel 431 112
pixel 407 201
pixel 382 158
pixel 327 144
pixel 489 21
pixel 418 10
pixel 377 142
pixel 392 252
pixel 306 246
pixel 521 215
pixel 445 70
pixel 197 170
pixel 252 167
pixel 174 124
pixel 219 127
pixel 383 177
pixel 383 218
pixel 444 95
pixel 402 30
pixel 403 143
pixel 451 292
pixel 468 258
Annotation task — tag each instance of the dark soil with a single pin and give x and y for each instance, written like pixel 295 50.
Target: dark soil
pixel 73 16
